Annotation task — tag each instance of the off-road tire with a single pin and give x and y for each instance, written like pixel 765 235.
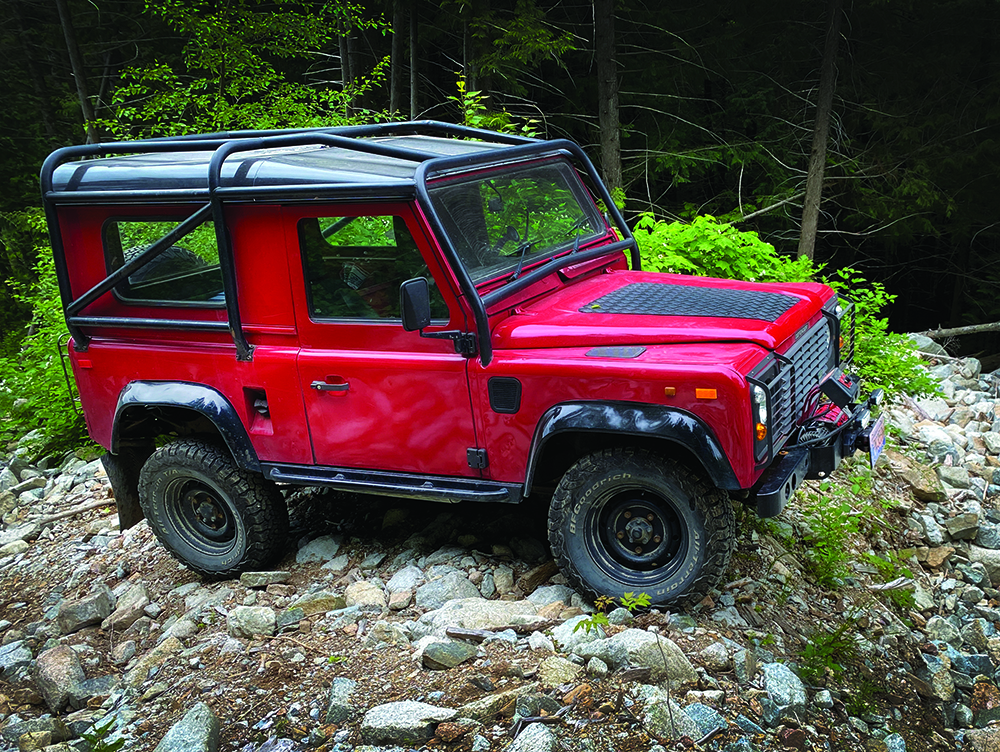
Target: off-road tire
pixel 684 527
pixel 215 517
pixel 175 260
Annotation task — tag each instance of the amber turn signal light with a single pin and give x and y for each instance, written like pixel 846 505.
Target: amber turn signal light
pixel 706 393
pixel 761 432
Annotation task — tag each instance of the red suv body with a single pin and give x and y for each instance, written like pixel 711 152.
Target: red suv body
pixel 434 312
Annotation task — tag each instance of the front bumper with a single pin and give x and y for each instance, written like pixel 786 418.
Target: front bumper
pixel 815 459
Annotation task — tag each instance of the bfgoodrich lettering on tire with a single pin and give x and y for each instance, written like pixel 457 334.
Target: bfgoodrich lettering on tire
pixel 628 520
pixel 215 517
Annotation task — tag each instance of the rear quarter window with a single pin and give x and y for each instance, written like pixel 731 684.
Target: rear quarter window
pixel 187 273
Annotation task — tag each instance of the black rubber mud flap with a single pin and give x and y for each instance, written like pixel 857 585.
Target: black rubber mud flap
pixel 123 472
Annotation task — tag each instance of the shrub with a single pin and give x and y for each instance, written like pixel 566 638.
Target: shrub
pixel 35 391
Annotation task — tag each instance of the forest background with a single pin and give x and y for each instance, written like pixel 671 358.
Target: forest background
pixel 714 124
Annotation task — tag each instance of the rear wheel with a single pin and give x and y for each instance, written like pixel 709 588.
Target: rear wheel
pixel 626 520
pixel 215 517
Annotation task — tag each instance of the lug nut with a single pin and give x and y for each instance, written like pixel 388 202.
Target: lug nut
pixel 656 539
pixel 638 549
pixel 621 535
pixel 628 515
pixel 650 517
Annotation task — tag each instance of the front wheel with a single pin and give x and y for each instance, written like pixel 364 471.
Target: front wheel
pixel 215 517
pixel 626 520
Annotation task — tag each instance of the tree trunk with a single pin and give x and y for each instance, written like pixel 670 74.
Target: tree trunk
pixel 79 72
pixel 607 92
pixel 414 109
pixel 821 129
pixel 396 62
pixel 37 79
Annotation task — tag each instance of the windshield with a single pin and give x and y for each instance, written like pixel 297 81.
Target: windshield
pixel 501 223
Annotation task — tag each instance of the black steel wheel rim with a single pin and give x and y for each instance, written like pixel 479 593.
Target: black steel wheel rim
pixel 202 515
pixel 637 536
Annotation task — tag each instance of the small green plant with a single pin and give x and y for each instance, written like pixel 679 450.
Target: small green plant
pixel 859 700
pixel 890 567
pixel 335 659
pixel 634 602
pixel 832 520
pixel 829 652
pixel 97 737
pixel 476 114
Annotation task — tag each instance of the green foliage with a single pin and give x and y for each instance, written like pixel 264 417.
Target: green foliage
pixel 97 737
pixel 883 359
pixel 832 520
pixel 34 392
pixel 710 248
pixel 890 567
pixel 634 602
pixel 475 113
pixel 234 71
pixel 829 652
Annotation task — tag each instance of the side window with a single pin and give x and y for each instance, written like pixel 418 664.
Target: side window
pixel 355 265
pixel 185 273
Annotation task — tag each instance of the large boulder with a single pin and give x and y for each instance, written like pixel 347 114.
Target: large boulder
pixel 641 649
pixel 405 722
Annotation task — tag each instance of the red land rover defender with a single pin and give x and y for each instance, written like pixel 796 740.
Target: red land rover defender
pixel 435 312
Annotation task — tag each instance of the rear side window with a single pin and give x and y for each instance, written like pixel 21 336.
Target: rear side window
pixel 355 265
pixel 187 273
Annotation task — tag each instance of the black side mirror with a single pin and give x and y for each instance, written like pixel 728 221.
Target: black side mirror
pixel 415 304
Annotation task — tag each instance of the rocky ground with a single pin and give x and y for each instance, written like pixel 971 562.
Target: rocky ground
pixel 395 626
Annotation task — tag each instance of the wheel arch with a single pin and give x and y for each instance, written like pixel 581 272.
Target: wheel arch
pixel 147 409
pixel 599 425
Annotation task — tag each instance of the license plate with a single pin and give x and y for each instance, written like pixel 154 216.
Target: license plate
pixel 876 440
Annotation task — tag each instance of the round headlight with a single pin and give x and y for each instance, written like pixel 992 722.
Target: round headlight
pixel 760 402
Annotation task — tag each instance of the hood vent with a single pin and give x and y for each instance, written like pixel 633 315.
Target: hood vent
pixel 660 299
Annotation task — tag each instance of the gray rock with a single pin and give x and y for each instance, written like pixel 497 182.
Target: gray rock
pixel 662 716
pixel 453 586
pixel 730 617
pixel 937 675
pixel 405 722
pixel 556 670
pixel 932 531
pixel 487 587
pixel 569 635
pixel 744 666
pixel 288 619
pixel 537 737
pixel 783 687
pixel 85 612
pixel 709 719
pixel 320 602
pixel 992 442
pixel 26 532
pixel 129 609
pixel 439 656
pixel 13 656
pixel 715 657
pixel 621 616
pixel 477 613
pixel 58 675
pixel 339 707
pixel 538 641
pixel 963 526
pixel 977 634
pixel 323 548
pixel 503 578
pixel 367 596
pixel 547 594
pixel 823 699
pixel 247 621
pixel 956 477
pixel 263 579
pixel 638 648
pixel 14 730
pixel 197 731
pixel 596 668
pixel 988 535
pixel 941 629
pixel 407 578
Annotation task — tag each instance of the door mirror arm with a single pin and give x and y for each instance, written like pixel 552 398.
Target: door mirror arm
pixel 415 310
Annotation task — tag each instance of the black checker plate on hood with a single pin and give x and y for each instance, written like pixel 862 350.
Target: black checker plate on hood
pixel 657 299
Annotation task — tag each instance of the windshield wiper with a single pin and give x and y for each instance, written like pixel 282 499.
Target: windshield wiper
pixel 521 249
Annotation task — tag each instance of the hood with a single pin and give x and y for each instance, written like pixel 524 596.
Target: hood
pixel 643 308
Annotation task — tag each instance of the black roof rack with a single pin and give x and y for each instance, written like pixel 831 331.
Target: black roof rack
pixel 218 147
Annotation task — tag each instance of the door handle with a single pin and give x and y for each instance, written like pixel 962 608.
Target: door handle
pixel 322 386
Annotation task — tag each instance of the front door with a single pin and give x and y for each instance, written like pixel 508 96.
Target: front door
pixel 376 396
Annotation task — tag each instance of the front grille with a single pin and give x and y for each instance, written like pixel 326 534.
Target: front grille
pixel 801 368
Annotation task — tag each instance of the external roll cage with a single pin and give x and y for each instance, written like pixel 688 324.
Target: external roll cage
pixel 354 138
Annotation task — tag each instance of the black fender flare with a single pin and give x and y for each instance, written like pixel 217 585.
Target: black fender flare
pixel 634 419
pixel 197 397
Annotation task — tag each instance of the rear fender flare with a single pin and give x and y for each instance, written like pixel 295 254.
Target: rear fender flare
pixel 630 419
pixel 198 398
